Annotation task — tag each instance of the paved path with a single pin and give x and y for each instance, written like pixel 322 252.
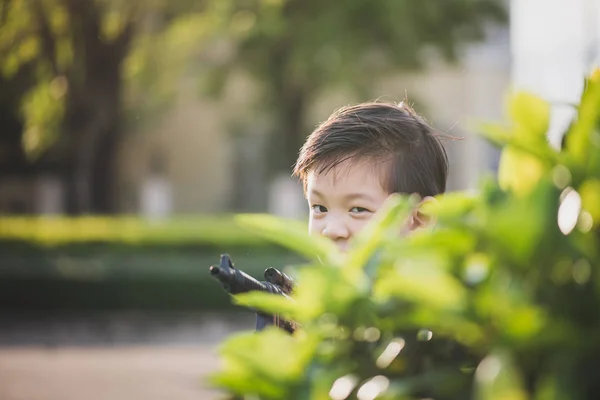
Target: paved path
pixel 115 373
pixel 112 357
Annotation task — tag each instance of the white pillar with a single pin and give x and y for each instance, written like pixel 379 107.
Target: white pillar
pixel 156 198
pixel 550 41
pixel 595 25
pixel 49 197
pixel 286 198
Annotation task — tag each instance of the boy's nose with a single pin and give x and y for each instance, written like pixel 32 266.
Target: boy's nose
pixel 336 230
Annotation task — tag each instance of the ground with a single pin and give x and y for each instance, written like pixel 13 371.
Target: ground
pixel 117 373
pixel 112 356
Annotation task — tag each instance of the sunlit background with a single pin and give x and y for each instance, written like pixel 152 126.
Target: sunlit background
pixel 131 132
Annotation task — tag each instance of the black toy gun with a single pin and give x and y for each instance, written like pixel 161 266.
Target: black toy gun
pixel 235 281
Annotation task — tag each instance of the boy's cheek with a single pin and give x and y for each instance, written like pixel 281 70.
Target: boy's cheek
pixel 360 225
pixel 313 228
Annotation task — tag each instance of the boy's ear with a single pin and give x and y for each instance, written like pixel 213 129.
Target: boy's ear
pixel 420 219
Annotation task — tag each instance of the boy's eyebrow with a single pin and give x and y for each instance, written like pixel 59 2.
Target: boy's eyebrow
pixel 354 196
pixel 316 192
pixel 350 196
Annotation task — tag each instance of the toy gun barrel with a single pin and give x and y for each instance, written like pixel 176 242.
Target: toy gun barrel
pixel 235 281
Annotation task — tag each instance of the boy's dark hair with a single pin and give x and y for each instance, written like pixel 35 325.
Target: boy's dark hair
pixel 416 159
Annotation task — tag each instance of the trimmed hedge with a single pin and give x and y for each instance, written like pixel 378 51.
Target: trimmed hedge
pixel 125 262
pixel 113 276
pixel 223 230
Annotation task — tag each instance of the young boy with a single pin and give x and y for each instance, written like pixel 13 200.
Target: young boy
pixel 360 155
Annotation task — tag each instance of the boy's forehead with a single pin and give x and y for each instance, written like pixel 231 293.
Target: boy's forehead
pixel 353 174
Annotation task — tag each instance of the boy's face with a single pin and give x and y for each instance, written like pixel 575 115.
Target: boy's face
pixel 343 200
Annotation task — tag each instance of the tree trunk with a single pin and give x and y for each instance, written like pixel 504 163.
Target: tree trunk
pixel 104 173
pixel 94 121
pixel 290 97
pixel 92 161
pixel 289 135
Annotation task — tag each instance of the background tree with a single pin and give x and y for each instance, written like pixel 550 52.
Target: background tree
pixel 67 64
pixel 298 48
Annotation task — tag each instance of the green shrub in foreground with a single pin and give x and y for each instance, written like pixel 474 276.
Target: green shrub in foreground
pixel 500 301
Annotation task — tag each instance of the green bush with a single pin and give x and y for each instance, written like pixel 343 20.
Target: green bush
pixel 500 301
pixel 115 263
pixel 117 276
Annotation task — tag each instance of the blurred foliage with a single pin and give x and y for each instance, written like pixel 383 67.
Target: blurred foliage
pixel 296 49
pixel 56 43
pixel 313 44
pixel 161 55
pixel 45 40
pixel 500 301
pixel 81 70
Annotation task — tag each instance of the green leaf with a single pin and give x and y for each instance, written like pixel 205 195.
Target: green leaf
pixel 324 289
pixel 450 241
pixel 518 171
pixel 389 221
pixel 291 234
pixel 549 389
pixel 450 205
pixel 530 112
pixel 268 302
pixel 502 136
pixel 578 140
pixel 590 198
pixel 497 378
pixel 266 363
pixel 508 308
pixel 422 279
pixel 524 322
pixel 521 227
pixel 453 325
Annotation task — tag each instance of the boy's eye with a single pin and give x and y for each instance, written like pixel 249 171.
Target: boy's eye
pixel 359 210
pixel 318 208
